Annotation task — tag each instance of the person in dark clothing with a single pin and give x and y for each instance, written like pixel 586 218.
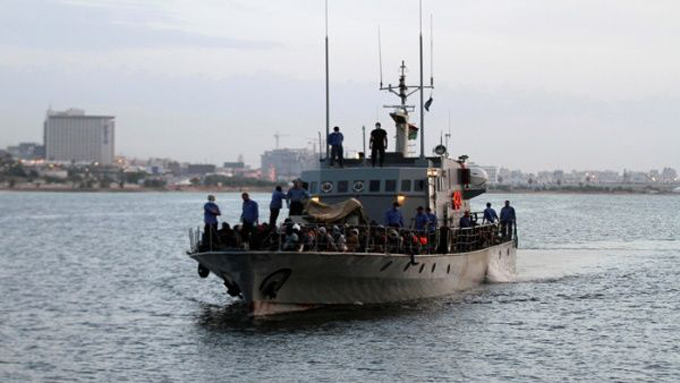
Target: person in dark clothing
pixel 335 141
pixel 275 206
pixel 249 217
pixel 378 144
pixel 226 235
pixel 465 236
pixel 490 215
pixel 393 217
pixel 508 220
pixel 210 213
pixel 297 195
pixel 465 220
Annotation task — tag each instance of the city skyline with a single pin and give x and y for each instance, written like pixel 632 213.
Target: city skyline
pixel 524 92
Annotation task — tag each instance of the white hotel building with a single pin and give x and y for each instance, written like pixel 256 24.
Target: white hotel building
pixel 73 136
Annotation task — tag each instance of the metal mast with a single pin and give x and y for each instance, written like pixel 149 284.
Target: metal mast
pixel 422 100
pixel 328 116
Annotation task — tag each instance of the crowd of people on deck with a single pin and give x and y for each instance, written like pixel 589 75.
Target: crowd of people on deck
pixel 421 237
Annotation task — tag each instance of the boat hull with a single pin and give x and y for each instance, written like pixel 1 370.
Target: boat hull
pixel 276 282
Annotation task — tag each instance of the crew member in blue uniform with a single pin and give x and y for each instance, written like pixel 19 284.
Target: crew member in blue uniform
pixel 422 220
pixel 296 197
pixel 335 141
pixel 508 220
pixel 431 220
pixel 275 206
pixel 249 217
pixel 210 213
pixel 465 220
pixel 393 217
pixel 490 215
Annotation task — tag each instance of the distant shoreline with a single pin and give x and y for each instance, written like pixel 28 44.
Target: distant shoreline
pixel 266 189
pixel 231 189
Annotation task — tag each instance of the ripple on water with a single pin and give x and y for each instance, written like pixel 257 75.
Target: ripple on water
pixel 96 287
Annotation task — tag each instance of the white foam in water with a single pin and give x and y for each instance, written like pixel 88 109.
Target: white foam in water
pixel 536 265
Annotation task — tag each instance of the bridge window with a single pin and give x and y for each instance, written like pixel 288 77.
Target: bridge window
pixel 374 186
pixel 391 185
pixel 419 185
pixel 312 187
pixel 342 186
pixel 406 185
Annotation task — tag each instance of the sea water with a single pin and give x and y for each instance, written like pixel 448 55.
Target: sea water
pixel 98 287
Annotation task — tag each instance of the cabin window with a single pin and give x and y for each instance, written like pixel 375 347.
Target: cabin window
pixel 343 186
pixel 312 187
pixel 358 186
pixel 406 185
pixel 374 186
pixel 391 185
pixel 327 186
pixel 418 185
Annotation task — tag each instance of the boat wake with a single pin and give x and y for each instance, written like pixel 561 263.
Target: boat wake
pixel 551 265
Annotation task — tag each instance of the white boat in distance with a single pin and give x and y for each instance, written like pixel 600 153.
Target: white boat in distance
pixel 390 264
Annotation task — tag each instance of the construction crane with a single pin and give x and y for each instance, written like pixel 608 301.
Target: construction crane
pixel 277 137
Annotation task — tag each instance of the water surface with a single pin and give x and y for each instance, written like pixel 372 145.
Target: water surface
pixel 96 287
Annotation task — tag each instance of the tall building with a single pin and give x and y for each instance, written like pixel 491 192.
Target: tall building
pixel 287 164
pixel 74 136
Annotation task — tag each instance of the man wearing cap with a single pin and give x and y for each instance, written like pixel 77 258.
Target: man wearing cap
pixel 210 213
pixel 378 144
pixel 335 141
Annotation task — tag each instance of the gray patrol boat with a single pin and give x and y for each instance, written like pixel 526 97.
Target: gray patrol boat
pixel 389 264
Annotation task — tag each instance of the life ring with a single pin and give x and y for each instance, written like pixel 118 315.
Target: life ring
pixel 358 186
pixel 457 200
pixel 326 186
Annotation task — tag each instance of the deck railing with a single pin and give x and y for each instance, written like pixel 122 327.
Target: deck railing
pixel 354 238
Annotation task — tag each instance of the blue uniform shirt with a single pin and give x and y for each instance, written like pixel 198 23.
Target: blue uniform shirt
pixel 297 194
pixel 250 211
pixel 465 222
pixel 335 138
pixel 507 214
pixel 422 221
pixel 432 221
pixel 210 212
pixel 393 217
pixel 490 215
pixel 277 200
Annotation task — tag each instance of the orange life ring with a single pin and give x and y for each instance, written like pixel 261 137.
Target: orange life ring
pixel 457 200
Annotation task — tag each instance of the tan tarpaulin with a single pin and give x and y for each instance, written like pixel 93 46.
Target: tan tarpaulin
pixel 339 212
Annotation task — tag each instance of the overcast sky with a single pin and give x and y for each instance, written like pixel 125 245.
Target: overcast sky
pixel 571 84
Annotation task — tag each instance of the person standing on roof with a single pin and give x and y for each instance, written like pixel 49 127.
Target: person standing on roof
pixel 210 213
pixel 335 141
pixel 275 206
pixel 296 198
pixel 249 217
pixel 393 217
pixel 378 144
